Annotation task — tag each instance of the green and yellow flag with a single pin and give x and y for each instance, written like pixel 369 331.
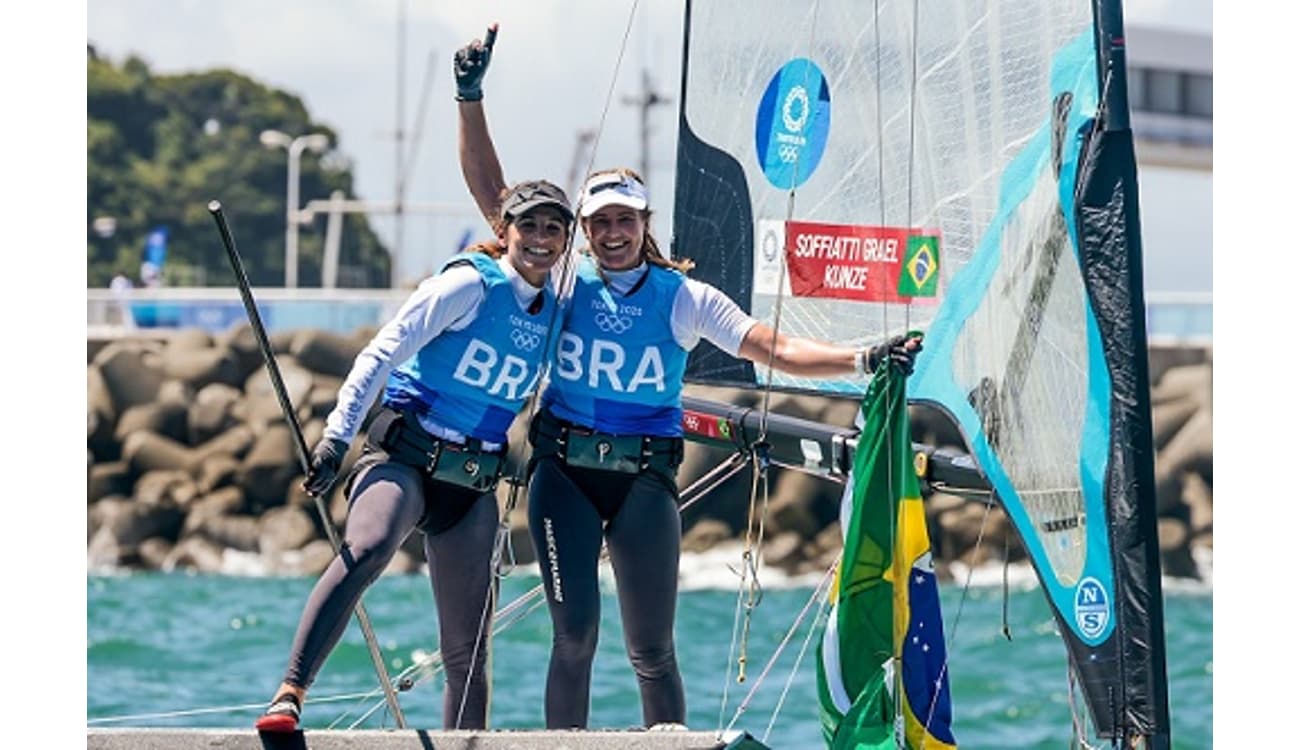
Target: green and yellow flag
pixel 882 679
pixel 920 273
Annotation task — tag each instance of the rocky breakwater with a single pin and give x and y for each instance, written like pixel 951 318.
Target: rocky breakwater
pixel 192 466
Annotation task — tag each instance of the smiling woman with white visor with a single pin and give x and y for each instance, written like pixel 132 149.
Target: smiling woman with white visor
pixel 607 440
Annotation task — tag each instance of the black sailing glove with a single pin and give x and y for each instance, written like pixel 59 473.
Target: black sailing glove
pixel 897 352
pixel 325 460
pixel 470 64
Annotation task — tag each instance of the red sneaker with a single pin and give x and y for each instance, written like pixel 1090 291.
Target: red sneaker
pixel 281 716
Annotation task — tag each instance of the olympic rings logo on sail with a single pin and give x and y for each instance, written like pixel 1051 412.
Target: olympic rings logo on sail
pixel 794 111
pixel 788 152
pixel 525 340
pixel 611 323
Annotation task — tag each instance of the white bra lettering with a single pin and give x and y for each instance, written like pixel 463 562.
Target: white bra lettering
pixel 607 358
pixel 476 368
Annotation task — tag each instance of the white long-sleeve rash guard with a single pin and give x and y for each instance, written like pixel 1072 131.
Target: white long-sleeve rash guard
pixel 448 301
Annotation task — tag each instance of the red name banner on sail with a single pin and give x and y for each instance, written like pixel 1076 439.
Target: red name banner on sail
pixel 863 263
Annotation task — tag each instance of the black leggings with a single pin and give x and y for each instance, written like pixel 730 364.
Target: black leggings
pixel 569 510
pixel 386 502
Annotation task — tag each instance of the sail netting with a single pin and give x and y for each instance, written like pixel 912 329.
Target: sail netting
pixel 850 170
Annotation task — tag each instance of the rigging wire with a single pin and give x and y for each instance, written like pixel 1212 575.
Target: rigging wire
pixel 818 596
pixel 824 600
pixel 750 591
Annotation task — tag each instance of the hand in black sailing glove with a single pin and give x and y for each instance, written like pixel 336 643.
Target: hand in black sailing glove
pixel 901 351
pixel 325 460
pixel 470 64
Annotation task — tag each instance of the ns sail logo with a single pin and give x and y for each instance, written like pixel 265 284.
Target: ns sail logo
pixel 1091 608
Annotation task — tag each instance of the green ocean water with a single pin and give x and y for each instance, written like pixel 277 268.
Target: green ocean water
pixel 207 651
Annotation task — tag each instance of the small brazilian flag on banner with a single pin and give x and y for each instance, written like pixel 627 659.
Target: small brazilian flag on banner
pixel 920 276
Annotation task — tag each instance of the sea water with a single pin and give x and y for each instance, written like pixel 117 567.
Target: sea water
pixel 178 650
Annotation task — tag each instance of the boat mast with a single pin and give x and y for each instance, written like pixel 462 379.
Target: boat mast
pixel 1109 196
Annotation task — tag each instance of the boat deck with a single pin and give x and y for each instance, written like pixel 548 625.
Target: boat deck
pixel 413 739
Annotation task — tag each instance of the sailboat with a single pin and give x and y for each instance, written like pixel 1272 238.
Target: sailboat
pixel 839 162
pixel 851 169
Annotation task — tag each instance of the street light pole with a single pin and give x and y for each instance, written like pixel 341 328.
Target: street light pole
pixel 317 142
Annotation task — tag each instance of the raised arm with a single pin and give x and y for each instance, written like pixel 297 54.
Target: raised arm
pixel 478 157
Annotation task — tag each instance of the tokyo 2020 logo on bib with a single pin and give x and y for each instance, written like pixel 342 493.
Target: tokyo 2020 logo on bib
pixel 794 118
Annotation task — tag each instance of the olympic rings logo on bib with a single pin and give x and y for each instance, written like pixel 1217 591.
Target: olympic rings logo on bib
pixel 611 323
pixel 525 340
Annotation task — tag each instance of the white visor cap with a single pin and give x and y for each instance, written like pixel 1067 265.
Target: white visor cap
pixel 612 188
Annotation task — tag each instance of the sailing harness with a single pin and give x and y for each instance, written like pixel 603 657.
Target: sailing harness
pixel 583 448
pixel 465 465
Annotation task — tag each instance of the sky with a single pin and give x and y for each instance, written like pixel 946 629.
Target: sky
pixel 552 69
pixel 344 65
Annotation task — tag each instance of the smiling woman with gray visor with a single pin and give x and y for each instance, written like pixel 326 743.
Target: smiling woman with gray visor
pixel 453 368
pixel 607 441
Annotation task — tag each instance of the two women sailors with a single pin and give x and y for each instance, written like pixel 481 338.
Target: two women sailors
pixel 607 440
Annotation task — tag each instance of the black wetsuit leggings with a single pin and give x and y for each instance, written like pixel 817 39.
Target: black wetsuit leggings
pixel 569 511
pixel 386 503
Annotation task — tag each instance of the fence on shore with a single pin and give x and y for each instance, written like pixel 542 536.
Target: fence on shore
pixel 1172 317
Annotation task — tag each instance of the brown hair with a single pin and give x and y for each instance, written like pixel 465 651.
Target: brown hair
pixel 490 248
pixel 649 246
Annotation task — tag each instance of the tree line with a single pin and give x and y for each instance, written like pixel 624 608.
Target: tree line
pixel 159 147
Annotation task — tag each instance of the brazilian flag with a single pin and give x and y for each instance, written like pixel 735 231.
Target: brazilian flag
pixel 881 663
pixel 920 274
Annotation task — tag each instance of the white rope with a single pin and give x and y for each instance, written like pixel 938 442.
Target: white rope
pixel 823 598
pixel 818 595
pixel 260 706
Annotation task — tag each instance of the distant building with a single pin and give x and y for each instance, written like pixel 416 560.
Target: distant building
pixel 1171 96
pixel 1171 101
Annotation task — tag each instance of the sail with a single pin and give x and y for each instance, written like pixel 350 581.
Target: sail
pixel 884 617
pixel 820 144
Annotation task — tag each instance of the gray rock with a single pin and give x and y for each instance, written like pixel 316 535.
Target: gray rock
pixel 194 553
pixel 165 487
pixel 282 529
pixel 1175 549
pixel 188 340
pixel 324 351
pixel 704 535
pixel 132 371
pixel 269 466
pixel 1199 497
pixel 310 561
pixel 1168 418
pixel 260 402
pixel 153 552
pixel 166 418
pixel 234 442
pixel 127 524
pixel 110 478
pixel 146 451
pixel 1185 381
pixel 101 417
pixel 216 471
pixel 200 367
pixel 237 531
pixel 222 502
pixel 212 412
pixel 782 550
